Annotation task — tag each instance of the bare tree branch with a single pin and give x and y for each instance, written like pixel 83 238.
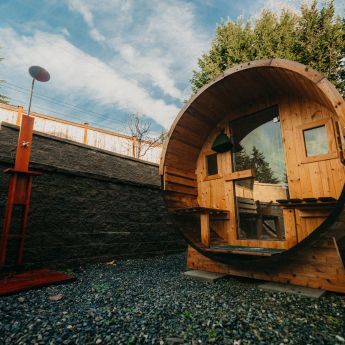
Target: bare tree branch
pixel 140 130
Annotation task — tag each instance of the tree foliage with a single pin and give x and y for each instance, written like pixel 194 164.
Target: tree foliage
pixel 316 38
pixel 256 160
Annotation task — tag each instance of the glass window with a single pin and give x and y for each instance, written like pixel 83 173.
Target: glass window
pixel 212 165
pixel 259 145
pixel 316 142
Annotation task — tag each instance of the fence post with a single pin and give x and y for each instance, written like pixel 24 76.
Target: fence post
pixel 19 115
pixel 134 145
pixel 86 127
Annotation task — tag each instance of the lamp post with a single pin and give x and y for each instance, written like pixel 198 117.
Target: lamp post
pixel 19 190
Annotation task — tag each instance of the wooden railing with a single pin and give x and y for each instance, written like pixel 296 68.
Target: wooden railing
pixel 83 133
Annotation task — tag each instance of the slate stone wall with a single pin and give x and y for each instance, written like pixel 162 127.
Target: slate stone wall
pixel 89 205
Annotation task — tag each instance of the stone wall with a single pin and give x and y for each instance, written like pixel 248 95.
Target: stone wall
pixel 89 205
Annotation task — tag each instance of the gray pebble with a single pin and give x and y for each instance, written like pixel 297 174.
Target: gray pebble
pixel 148 301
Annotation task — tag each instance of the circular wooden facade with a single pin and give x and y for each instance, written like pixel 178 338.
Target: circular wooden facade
pixel 207 206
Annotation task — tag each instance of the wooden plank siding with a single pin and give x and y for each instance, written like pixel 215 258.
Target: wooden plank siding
pixel 319 268
pixel 181 185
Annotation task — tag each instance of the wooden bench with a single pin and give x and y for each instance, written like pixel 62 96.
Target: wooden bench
pixel 307 202
pixel 199 209
pixel 205 213
pixel 249 208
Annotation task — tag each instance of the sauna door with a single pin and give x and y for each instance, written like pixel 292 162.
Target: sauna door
pixel 258 145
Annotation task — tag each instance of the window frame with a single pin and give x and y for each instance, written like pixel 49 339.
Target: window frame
pixel 332 153
pixel 339 133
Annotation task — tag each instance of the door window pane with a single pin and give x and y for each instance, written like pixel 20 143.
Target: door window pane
pixel 316 142
pixel 211 163
pixel 259 145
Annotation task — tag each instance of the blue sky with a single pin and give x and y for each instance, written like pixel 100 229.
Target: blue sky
pixel 108 58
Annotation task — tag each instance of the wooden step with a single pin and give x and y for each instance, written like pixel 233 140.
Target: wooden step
pixel 243 250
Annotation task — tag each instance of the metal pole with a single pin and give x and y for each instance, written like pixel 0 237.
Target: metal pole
pixel 32 89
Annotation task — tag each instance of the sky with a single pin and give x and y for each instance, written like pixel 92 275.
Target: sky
pixel 109 58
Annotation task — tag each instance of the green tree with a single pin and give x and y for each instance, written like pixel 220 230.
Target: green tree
pixel 320 41
pixel 341 68
pixel 256 160
pixel 242 160
pixel 263 172
pixel 316 37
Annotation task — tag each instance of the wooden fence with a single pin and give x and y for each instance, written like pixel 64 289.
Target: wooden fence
pixel 83 133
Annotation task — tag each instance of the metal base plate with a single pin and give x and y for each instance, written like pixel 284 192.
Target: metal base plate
pixel 32 279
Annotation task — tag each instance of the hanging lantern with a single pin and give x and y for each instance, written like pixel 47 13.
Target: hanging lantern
pixel 222 143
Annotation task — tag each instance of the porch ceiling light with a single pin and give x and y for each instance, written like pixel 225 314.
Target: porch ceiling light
pixel 222 143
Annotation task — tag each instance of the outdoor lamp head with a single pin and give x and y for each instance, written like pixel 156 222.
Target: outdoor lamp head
pixel 222 143
pixel 39 73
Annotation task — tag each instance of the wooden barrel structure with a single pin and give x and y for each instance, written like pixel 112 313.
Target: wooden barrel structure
pixel 253 175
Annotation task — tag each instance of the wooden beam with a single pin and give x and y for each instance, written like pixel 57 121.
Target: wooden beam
pixel 205 229
pixel 19 116
pixel 134 146
pixel 239 175
pixel 86 127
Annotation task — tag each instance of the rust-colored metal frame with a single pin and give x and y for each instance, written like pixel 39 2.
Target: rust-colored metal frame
pixel 19 190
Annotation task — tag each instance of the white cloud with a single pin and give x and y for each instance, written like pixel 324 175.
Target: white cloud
pixel 279 5
pixel 82 7
pixel 173 27
pixel 151 66
pixel 276 6
pixel 65 32
pixel 85 11
pixel 96 35
pixel 75 72
pixel 146 51
pixel 159 46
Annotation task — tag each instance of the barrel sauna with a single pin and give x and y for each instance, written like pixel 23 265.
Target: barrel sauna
pixel 253 175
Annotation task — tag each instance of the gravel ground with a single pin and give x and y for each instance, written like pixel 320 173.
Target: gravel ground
pixel 150 302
